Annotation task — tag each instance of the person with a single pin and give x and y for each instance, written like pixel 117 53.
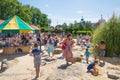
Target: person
pixel 93 68
pixel 87 37
pixel 38 37
pixel 95 52
pixel 6 43
pixel 37 59
pixel 24 39
pixel 50 46
pixel 78 39
pixel 102 51
pixel 30 41
pixel 67 53
pixel 87 54
pixel 87 43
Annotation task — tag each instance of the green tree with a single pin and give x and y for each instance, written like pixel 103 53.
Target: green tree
pixel 24 13
pixel 8 8
pixel 64 25
pixel 88 26
pixel 29 14
pixel 71 26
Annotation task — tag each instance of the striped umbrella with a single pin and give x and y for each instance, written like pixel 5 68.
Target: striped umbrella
pixel 16 25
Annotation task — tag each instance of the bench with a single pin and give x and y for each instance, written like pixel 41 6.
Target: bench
pixel 12 50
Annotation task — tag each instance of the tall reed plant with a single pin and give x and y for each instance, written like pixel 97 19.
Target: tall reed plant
pixel 109 33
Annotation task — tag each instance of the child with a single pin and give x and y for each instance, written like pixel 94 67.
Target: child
pixel 102 50
pixel 92 68
pixel 87 53
pixel 87 43
pixel 95 52
pixel 37 59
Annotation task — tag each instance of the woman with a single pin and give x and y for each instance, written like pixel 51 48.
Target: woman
pixel 50 45
pixel 67 53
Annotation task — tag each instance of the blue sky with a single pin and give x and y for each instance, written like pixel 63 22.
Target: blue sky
pixel 60 11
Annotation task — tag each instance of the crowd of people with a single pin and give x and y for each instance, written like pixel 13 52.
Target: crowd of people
pixel 66 45
pixel 17 40
pixel 98 52
pixel 52 40
pixel 25 39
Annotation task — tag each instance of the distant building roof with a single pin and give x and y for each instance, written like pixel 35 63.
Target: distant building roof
pixel 58 27
pixel 101 20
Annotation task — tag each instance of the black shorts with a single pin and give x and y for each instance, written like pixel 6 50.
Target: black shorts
pixel 38 39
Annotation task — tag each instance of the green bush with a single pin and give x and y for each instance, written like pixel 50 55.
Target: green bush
pixel 81 32
pixel 110 33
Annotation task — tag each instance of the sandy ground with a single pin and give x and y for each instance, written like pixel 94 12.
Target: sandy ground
pixel 21 68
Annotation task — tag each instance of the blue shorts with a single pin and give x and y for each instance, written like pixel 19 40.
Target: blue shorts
pixel 88 46
pixel 87 56
pixel 102 52
pixel 38 39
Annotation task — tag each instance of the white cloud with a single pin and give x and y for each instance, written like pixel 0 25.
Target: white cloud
pixel 63 18
pixel 117 9
pixel 49 14
pixel 80 12
pixel 92 19
pixel 46 5
pixel 60 20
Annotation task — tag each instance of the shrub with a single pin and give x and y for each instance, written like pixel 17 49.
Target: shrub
pixel 81 32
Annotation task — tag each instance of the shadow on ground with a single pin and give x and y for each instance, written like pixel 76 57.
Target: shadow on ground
pixel 114 60
pixel 10 56
pixel 63 66
pixel 102 64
